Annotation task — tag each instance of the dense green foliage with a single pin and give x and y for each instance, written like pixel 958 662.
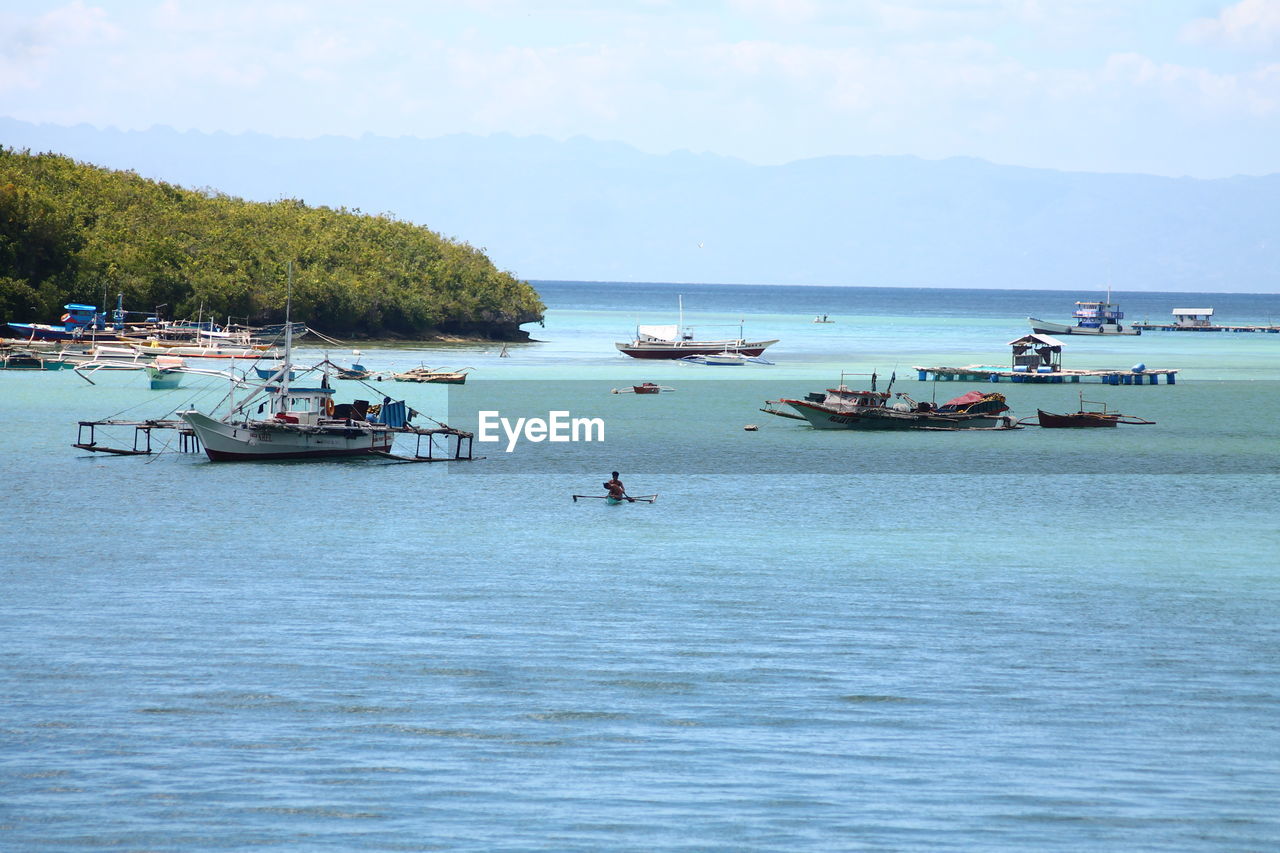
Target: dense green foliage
pixel 71 232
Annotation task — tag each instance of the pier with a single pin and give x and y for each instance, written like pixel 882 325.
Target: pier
pixel 1174 327
pixel 1199 320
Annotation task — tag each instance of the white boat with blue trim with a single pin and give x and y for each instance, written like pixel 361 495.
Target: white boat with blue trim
pixel 1091 318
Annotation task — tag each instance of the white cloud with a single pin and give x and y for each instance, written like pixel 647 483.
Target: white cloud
pixel 29 46
pixel 76 25
pixel 773 80
pixel 1198 91
pixel 1249 24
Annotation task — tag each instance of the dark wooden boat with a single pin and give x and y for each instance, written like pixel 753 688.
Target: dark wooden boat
pixel 845 408
pixel 1076 419
pixel 1087 419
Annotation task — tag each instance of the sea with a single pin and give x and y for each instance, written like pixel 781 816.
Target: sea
pixel 1049 640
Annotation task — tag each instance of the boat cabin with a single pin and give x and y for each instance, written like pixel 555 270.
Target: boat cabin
pixel 1094 314
pixel 79 316
pixel 1193 318
pixel 1037 353
pixel 301 405
pixel 661 334
pixel 844 396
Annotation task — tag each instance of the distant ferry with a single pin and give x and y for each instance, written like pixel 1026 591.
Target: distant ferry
pixel 1092 318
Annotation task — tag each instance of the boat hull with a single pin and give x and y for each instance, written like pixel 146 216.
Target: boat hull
pixel 43 332
pixel 871 419
pixel 164 378
pixel 683 349
pixel 1043 327
pixel 261 440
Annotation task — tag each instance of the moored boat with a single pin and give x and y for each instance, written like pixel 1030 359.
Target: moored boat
pixel 1087 418
pixel 426 374
pixel 845 408
pixel 678 341
pixel 1091 318
pixel 299 422
pixel 643 388
pixel 79 323
pixel 728 358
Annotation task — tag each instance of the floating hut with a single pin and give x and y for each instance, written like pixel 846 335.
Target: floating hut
pixel 1036 353
pixel 1192 318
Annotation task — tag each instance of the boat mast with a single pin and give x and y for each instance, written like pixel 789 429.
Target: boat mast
pixel 288 341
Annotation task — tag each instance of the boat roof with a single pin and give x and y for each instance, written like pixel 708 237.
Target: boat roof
pixel 1192 310
pixel 1036 337
pixel 666 333
pixel 76 306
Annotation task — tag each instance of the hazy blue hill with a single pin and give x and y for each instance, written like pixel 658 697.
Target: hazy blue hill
pixel 582 209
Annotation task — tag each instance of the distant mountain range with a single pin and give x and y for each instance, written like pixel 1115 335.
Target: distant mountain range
pixel 583 209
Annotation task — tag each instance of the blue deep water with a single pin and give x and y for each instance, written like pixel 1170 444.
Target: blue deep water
pixel 1033 640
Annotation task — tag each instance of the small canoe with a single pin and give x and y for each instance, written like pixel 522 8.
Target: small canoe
pixel 610 500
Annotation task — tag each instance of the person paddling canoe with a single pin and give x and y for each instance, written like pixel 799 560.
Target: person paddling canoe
pixel 616 490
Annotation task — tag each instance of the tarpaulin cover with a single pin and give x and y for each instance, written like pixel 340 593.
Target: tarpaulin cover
pixel 966 399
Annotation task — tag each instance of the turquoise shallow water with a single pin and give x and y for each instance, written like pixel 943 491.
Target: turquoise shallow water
pixel 1003 641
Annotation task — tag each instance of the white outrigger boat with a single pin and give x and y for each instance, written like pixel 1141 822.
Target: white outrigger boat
pixel 728 358
pixel 278 419
pixel 677 341
pixel 281 420
pixel 295 422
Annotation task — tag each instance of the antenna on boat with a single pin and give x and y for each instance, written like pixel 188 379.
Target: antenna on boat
pixel 680 299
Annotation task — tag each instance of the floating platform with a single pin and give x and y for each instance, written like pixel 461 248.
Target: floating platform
pixel 1172 327
pixel 981 373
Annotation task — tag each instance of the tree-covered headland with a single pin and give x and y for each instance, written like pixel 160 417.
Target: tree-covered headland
pixel 73 232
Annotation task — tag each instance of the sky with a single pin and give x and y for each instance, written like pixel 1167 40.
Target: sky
pixel 1166 87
